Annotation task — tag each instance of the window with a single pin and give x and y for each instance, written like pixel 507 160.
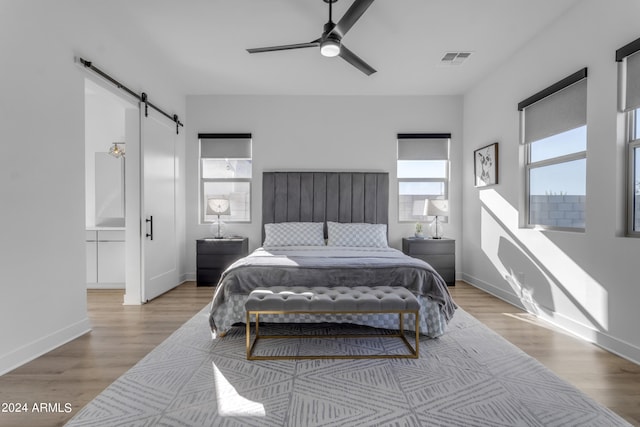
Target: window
pixel 629 58
pixel 634 172
pixel 423 172
pixel 225 174
pixel 555 138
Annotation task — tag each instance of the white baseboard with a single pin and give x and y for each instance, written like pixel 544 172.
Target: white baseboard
pixel 106 285
pixel 37 348
pixel 614 345
pixel 505 296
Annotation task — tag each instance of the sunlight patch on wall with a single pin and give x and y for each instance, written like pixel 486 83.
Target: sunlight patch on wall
pixel 543 276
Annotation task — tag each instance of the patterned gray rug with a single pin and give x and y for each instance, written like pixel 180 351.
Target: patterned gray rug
pixel 468 377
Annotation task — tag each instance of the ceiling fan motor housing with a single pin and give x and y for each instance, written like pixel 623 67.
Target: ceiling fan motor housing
pixel 328 27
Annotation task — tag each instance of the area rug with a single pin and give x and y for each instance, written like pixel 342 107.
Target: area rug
pixel 468 377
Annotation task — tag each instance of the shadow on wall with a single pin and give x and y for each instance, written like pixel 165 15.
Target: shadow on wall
pixel 530 284
pixel 537 270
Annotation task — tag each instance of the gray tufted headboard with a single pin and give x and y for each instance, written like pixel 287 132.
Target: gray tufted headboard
pixel 325 196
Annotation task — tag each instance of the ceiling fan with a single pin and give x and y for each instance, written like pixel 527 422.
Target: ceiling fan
pixel 330 41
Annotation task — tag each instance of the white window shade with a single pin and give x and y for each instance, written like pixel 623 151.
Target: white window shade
pixel 559 112
pixel 423 149
pixel 422 171
pixel 225 148
pixel 632 82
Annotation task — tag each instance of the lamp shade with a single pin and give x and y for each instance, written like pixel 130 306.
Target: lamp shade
pixel 218 206
pixel 438 208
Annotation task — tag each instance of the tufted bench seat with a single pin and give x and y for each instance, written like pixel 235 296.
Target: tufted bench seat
pixel 338 300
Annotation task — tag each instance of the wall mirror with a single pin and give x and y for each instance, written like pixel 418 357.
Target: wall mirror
pixel 109 190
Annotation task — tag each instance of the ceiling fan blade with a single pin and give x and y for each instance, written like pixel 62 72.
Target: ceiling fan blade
pixel 314 43
pixel 351 17
pixel 355 60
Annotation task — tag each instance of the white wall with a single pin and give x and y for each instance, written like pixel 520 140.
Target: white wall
pixel 585 282
pixel 42 181
pixel 104 125
pixel 320 133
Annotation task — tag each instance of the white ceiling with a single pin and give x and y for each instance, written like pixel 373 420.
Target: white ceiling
pixel 203 42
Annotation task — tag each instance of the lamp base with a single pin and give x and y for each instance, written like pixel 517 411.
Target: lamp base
pixel 217 229
pixel 436 229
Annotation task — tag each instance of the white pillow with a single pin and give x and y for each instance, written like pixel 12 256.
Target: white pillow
pixel 294 234
pixel 357 234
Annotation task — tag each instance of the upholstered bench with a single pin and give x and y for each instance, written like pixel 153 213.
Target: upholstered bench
pixel 339 300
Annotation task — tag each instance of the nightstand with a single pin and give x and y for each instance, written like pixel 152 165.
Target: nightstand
pixel 439 253
pixel 215 255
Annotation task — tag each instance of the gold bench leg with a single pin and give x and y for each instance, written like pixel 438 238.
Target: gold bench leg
pixel 248 335
pixel 249 344
pixel 414 350
pixel 417 328
pixel 257 325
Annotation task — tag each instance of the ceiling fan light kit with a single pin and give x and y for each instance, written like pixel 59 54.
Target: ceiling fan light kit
pixel 330 42
pixel 330 47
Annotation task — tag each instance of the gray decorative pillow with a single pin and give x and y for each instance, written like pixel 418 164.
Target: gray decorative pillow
pixel 357 234
pixel 294 234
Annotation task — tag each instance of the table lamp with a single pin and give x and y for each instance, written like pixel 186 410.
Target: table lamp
pixel 437 207
pixel 218 205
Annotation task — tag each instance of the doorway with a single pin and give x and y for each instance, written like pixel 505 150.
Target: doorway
pixel 105 189
pixel 131 178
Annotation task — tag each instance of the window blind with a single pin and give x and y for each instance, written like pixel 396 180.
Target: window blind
pixel 557 109
pixel 225 146
pixel 629 57
pixel 423 146
pixel 632 98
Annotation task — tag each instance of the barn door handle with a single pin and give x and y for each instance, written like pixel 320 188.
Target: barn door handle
pixel 150 222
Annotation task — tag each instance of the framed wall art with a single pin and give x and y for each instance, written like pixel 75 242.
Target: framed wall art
pixel 486 165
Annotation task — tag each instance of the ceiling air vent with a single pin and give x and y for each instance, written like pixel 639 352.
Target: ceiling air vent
pixel 454 58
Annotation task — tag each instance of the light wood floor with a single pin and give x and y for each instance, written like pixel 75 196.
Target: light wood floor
pixel 78 371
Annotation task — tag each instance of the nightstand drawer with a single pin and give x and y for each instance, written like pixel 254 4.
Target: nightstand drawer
pixel 217 261
pixel 448 275
pixel 209 277
pixel 439 253
pixel 221 246
pixel 431 247
pixel 213 256
pixel 439 261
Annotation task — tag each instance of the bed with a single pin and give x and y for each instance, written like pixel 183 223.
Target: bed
pixel 329 229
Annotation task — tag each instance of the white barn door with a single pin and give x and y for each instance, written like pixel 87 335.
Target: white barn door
pixel 158 187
